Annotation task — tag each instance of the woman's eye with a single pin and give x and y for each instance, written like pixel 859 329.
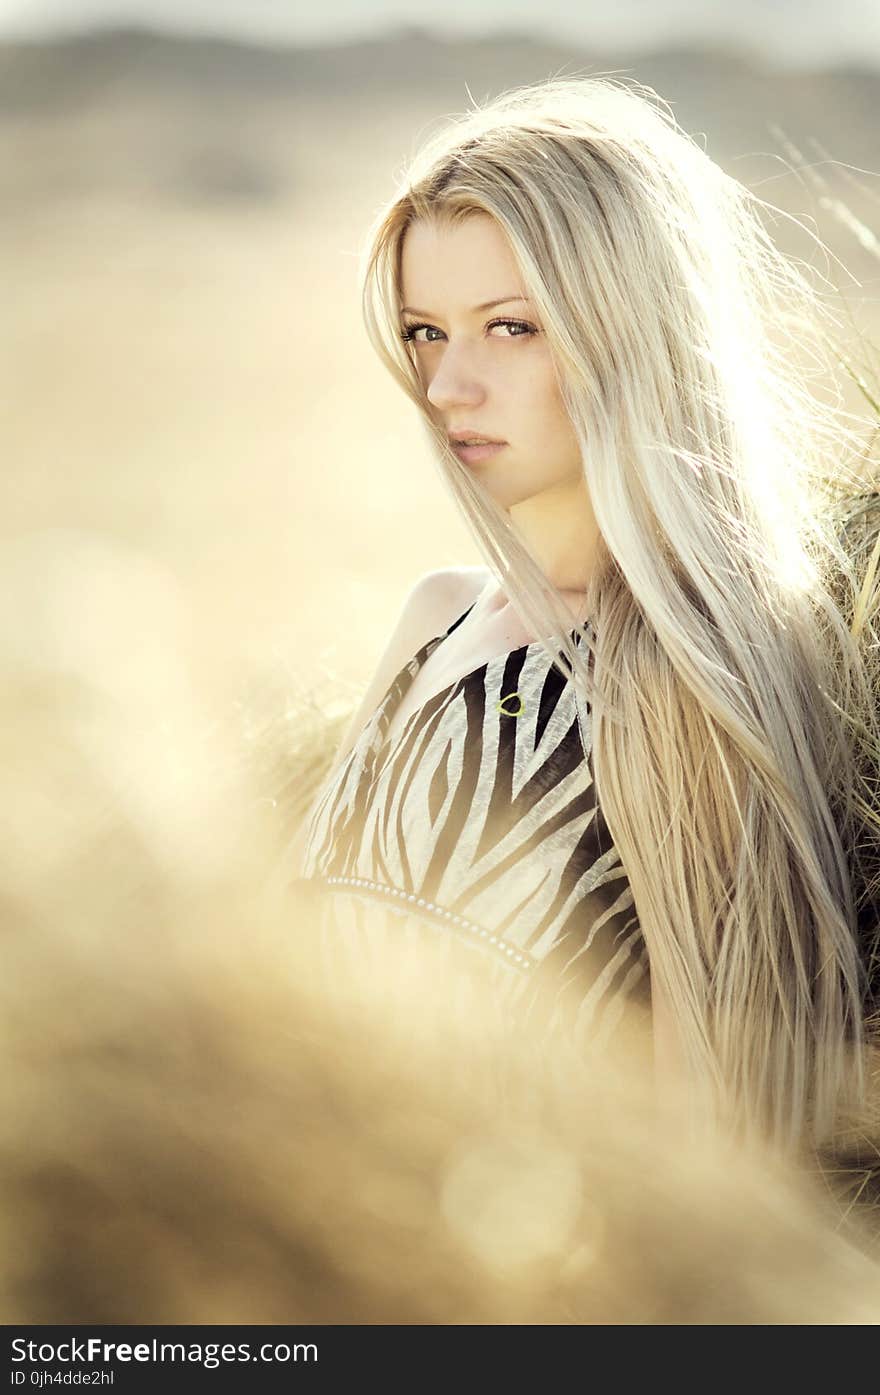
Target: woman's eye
pixel 517 328
pixel 430 334
pixel 412 334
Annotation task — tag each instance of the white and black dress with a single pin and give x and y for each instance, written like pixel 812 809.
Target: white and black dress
pixel 479 823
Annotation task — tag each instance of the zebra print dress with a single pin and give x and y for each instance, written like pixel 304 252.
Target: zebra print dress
pixel 479 824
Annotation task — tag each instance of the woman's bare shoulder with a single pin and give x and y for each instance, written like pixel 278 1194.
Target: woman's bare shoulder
pixel 435 599
pixel 435 596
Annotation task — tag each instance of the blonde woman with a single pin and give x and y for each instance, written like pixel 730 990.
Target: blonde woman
pixel 618 761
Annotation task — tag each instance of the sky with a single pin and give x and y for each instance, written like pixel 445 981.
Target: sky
pixel 786 32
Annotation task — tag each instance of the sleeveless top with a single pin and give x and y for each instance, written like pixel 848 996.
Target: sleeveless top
pixel 479 823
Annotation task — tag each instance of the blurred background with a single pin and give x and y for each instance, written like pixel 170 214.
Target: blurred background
pixel 213 498
pixel 185 188
pixel 211 489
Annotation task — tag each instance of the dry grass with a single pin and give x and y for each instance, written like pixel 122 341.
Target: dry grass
pixel 212 503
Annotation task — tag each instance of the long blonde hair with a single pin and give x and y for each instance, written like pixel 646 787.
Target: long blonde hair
pixel 726 681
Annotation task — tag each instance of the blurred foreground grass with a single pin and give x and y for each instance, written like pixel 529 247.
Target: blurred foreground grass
pixel 202 466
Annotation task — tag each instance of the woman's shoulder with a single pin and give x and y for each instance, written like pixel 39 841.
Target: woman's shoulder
pixel 438 597
pixel 433 602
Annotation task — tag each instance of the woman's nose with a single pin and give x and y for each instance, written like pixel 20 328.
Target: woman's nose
pixel 454 383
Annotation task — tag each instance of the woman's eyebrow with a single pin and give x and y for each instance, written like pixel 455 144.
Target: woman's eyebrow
pixel 487 305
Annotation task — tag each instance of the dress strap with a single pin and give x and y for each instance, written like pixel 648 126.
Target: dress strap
pixel 461 617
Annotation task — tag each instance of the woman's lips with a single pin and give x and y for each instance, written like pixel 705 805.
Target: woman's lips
pixel 473 455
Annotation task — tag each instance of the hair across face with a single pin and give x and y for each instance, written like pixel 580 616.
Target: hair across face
pixel 482 356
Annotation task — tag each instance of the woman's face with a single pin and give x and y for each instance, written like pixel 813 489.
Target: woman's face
pixel 482 357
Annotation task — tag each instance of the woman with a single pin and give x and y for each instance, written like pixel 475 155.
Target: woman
pixel 606 350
